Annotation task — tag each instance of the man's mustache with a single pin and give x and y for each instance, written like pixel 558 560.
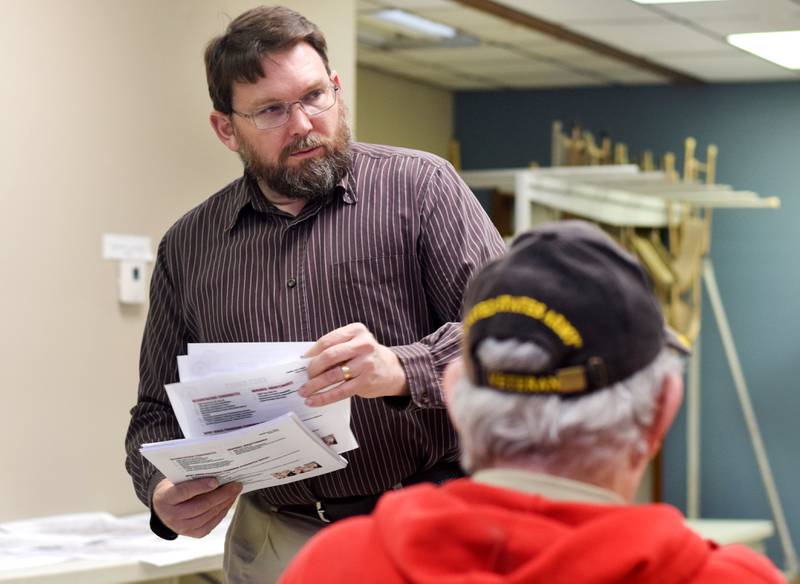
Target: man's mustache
pixel 302 144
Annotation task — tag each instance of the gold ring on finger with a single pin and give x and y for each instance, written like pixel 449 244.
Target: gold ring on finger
pixel 346 375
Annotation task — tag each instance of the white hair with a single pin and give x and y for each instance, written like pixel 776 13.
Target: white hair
pixel 580 437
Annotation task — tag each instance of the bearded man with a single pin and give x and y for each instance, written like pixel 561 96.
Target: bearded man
pixel 364 249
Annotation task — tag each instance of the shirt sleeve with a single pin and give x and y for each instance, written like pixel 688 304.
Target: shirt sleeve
pixel 152 418
pixel 456 239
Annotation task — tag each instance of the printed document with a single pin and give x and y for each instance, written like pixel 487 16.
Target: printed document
pixel 242 419
pixel 277 452
pixel 208 359
pixel 234 400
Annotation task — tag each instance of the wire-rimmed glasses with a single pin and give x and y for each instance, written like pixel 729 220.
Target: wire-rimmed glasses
pixel 278 113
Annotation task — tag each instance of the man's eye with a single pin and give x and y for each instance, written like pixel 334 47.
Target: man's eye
pixel 314 95
pixel 271 110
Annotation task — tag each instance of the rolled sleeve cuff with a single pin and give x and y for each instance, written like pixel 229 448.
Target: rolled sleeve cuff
pixel 156 525
pixel 421 375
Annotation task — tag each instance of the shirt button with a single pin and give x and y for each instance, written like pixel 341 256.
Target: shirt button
pixel 291 282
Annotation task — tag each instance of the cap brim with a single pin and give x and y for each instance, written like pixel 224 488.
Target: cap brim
pixel 677 341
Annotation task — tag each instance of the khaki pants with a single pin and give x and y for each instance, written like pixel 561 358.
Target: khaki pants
pixel 261 543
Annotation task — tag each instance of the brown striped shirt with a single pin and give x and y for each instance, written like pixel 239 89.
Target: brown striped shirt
pixel 393 249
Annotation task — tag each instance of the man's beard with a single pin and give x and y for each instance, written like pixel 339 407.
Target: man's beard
pixel 311 179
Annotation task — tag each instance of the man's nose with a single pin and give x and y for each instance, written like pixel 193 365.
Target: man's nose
pixel 299 122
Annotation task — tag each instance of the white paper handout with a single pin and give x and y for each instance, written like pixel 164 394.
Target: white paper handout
pixel 209 359
pixel 221 403
pixel 276 452
pixel 243 420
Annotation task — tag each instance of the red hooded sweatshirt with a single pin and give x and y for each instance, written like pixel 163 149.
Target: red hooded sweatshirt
pixel 470 533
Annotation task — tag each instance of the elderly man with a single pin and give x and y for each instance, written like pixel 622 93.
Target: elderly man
pixel 567 388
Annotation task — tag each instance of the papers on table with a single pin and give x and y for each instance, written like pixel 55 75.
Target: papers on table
pixel 238 408
pixel 33 543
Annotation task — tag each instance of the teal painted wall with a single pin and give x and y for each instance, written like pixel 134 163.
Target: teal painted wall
pixel 756 255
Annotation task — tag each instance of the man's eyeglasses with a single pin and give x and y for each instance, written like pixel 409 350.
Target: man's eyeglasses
pixel 278 113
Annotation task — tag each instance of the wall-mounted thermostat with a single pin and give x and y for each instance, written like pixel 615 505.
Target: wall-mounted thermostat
pixel 133 253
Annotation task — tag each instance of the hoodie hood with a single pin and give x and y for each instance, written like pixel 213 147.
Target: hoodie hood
pixel 465 532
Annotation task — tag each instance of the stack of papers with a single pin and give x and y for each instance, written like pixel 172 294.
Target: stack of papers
pixel 242 419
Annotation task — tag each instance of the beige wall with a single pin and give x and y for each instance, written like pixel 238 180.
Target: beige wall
pixel 402 113
pixel 105 130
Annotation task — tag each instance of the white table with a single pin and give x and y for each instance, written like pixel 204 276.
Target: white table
pixel 99 548
pixel 752 533
pixel 109 572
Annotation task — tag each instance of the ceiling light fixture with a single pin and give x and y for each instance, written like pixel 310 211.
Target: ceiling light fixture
pixel 782 48
pixel 672 1
pixel 416 23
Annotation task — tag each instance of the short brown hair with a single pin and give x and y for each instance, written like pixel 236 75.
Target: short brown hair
pixel 236 55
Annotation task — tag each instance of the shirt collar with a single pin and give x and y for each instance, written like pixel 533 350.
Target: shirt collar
pixel 548 486
pixel 348 186
pixel 245 191
pixel 240 197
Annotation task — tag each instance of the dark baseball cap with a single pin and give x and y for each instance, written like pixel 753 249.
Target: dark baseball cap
pixel 569 288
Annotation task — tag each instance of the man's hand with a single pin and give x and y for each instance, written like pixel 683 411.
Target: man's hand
pixel 351 356
pixel 195 507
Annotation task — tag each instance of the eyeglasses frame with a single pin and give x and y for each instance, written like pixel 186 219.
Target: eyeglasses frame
pixel 289 105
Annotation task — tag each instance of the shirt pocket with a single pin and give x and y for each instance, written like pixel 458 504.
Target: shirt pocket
pixel 384 293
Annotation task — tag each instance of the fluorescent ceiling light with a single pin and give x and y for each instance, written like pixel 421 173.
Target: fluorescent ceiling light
pixel 782 48
pixel 416 23
pixel 671 1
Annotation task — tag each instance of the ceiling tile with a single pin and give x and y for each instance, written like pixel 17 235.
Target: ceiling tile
pixel 416 5
pixel 741 67
pixel 569 11
pixel 555 48
pixel 633 76
pixel 686 37
pixel 703 12
pixel 601 68
pixel 378 57
pixel 561 79
pixel 477 54
pixel 406 66
pixel 368 5
pixel 483 25
pixel 463 85
pixel 511 33
pixel 724 50
pixel 509 68
pixel 750 22
pixel 646 39
pixel 591 62
pixel 469 19
pixel 736 16
pixel 441 77
pixel 450 80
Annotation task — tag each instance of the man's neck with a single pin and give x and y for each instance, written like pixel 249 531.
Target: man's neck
pixel 622 481
pixel 527 480
pixel 285 204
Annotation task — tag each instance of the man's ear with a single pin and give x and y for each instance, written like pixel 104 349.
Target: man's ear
pixel 667 407
pixel 335 80
pixel 223 128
